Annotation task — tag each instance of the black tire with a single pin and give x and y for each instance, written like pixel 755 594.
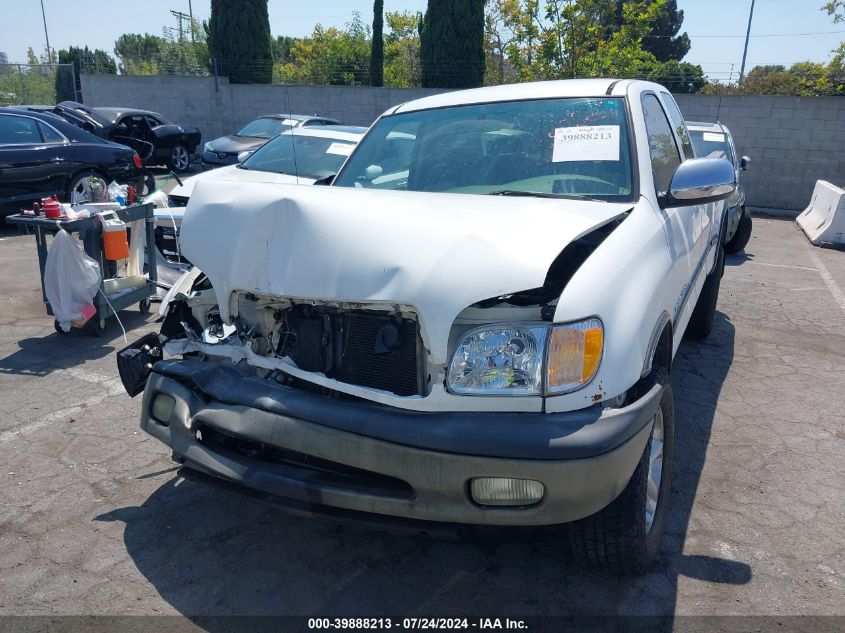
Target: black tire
pixel 96 327
pixel 617 539
pixel 701 321
pixel 180 159
pixel 743 233
pixel 144 306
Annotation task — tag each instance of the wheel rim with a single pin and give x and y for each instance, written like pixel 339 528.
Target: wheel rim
pixel 82 191
pixel 179 156
pixel 655 470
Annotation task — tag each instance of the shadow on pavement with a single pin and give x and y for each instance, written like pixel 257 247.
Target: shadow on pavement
pixel 41 356
pixel 213 552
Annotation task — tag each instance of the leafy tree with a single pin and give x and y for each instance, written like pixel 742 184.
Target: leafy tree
pixel 452 44
pixel 569 38
pixel 139 54
pixel 84 60
pixel 239 40
pixel 282 46
pixel 402 50
pixel 662 40
pixel 330 56
pixel 679 77
pixel 377 49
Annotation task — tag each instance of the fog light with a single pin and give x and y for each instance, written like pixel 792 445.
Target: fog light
pixel 504 491
pixel 162 409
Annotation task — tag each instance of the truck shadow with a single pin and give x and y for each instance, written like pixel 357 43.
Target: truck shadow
pixel 210 552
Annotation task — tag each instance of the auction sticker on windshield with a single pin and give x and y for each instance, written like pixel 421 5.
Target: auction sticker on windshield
pixel 592 142
pixel 712 137
pixel 341 149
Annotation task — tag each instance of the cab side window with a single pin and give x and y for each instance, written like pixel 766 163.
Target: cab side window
pixel 678 123
pixel 665 157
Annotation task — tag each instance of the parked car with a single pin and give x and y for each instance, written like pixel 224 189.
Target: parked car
pixel 299 156
pixel 43 155
pixel 714 140
pixel 225 150
pixel 157 140
pixel 481 332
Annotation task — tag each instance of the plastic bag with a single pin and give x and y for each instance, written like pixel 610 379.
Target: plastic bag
pixel 118 193
pixel 71 280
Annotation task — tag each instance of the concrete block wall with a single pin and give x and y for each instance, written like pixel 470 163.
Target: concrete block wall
pixel 219 108
pixel 792 141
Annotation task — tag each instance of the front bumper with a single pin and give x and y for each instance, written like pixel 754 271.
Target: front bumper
pixel 364 457
pixel 212 159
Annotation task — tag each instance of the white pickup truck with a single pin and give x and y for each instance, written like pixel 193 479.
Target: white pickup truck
pixel 475 328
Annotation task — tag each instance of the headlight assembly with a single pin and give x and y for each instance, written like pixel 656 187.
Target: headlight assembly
pixel 208 147
pixel 526 359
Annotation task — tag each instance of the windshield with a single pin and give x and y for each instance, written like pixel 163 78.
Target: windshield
pixel 711 145
pixel 305 156
pixel 267 127
pixel 567 147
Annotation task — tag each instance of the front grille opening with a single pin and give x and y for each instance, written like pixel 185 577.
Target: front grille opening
pixel 306 468
pixel 358 347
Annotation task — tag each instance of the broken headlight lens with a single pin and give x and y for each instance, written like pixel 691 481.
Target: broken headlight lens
pixel 505 359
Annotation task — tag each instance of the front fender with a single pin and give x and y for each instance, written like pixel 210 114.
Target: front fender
pixel 626 283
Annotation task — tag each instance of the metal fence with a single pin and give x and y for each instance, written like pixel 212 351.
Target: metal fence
pixel 37 84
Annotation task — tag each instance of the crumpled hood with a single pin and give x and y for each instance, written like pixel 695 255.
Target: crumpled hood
pixel 232 173
pixel 234 143
pixel 439 253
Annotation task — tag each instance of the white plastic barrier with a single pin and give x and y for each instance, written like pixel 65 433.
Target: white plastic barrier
pixel 824 220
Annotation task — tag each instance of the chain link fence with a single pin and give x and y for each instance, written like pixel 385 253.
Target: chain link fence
pixel 37 84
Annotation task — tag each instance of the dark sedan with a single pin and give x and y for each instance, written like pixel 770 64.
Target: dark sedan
pixel 157 140
pixel 43 155
pixel 224 150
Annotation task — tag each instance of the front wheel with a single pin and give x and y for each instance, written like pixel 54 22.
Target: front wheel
pixel 625 537
pixel 180 159
pixel 743 233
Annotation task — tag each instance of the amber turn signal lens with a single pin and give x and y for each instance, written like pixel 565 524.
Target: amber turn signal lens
pixel 574 354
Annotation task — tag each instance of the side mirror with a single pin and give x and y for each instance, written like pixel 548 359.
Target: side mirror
pixel 700 180
pixel 744 163
pixel 242 156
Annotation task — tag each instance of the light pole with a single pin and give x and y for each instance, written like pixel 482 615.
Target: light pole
pixel 747 36
pixel 44 18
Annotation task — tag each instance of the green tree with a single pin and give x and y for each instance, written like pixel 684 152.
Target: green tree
pixel 139 54
pixel 239 40
pixel 282 45
pixel 570 38
pixel 330 56
pixel 452 44
pixel 402 50
pixel 377 47
pixel 84 60
pixel 663 39
pixel 679 77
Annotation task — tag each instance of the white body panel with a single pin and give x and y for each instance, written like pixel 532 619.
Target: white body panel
pixel 233 173
pixel 438 253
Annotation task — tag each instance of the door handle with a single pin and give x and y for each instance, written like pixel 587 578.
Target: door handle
pixel 57 159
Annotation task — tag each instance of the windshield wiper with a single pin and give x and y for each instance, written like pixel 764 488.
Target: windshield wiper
pixel 542 194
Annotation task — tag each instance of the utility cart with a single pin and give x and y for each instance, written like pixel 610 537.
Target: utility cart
pixel 90 231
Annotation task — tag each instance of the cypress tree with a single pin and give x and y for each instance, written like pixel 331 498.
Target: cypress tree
pixel 239 40
pixel 452 44
pixel 377 47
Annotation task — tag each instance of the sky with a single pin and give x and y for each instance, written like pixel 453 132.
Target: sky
pixel 783 31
